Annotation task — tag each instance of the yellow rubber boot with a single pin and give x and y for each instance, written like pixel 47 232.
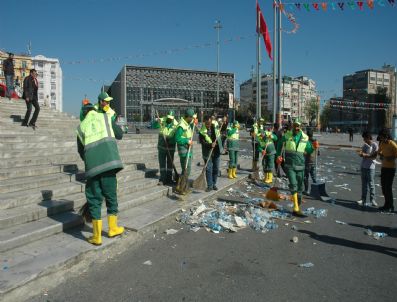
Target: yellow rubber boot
pixel 265 177
pixel 234 170
pixel 96 238
pixel 296 211
pixel 230 173
pixel 269 178
pixel 114 229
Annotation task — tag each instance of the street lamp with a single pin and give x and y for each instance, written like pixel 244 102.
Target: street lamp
pixel 218 27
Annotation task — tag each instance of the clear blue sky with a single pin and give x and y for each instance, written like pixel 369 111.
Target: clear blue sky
pixel 327 45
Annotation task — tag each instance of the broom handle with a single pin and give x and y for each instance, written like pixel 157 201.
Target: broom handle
pixel 212 149
pixel 188 150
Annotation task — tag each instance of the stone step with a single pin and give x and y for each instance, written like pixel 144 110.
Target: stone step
pixel 15 172
pixel 22 234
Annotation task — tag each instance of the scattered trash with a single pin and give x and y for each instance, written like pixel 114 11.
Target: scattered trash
pixel 306 265
pixel 195 229
pixel 171 231
pixel 375 235
pixel 294 227
pixel 148 262
pixel 316 213
pixel 295 239
pixel 340 222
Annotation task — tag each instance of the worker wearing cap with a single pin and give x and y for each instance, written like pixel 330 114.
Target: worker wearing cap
pixel 233 148
pixel 103 105
pixel 97 146
pixel 183 137
pixel 208 138
pixel 166 146
pixel 257 129
pixel 295 144
pixel 266 146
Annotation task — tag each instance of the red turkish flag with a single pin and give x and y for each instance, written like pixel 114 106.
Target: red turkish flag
pixel 261 28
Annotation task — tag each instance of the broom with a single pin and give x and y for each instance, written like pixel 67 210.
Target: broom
pixel 272 193
pixel 255 175
pixel 200 183
pixel 168 153
pixel 183 181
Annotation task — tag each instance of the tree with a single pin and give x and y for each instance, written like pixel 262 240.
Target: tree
pixel 325 116
pixel 311 111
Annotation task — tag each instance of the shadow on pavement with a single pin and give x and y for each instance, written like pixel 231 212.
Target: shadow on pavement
pixel 391 232
pixel 354 206
pixel 352 244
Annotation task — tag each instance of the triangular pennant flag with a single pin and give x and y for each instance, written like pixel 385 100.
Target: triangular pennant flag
pixel 360 5
pixel 306 5
pixel 341 4
pixel 324 6
pixel 391 2
pixel 298 6
pixel 352 5
pixel 281 7
pixel 333 5
pixel 370 4
pixel 315 5
pixel 381 3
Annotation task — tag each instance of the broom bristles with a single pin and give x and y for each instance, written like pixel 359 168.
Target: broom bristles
pixel 200 183
pixel 85 213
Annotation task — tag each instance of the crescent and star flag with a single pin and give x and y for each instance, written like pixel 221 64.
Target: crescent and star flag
pixel 261 28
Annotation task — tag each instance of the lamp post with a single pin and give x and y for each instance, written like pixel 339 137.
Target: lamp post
pixel 218 27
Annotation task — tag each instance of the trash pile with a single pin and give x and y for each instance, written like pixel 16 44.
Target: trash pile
pixel 375 235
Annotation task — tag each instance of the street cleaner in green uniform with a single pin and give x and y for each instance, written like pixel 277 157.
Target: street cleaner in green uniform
pixel 233 148
pixel 295 144
pixel 266 146
pixel 211 144
pixel 166 146
pixel 183 137
pixel 256 130
pixel 97 146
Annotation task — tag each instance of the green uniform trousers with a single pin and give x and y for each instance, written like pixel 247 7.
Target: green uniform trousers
pixel 296 178
pixel 233 157
pixel 183 164
pixel 102 186
pixel 165 162
pixel 268 163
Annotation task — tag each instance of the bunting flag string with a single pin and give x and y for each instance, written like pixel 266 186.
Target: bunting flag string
pixel 358 104
pixel 334 5
pixel 291 19
pixel 358 108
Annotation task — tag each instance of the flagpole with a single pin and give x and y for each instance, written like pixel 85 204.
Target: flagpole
pixel 280 77
pixel 258 68
pixel 274 62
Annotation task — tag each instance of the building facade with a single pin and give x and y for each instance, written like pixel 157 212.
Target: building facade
pixel 142 93
pixel 295 94
pixel 368 102
pixel 49 75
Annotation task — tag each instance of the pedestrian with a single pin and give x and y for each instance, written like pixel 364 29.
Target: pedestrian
pixel 208 138
pixel 183 137
pixel 310 162
pixel 166 146
pixel 350 130
pixel 30 88
pixel 368 153
pixel 388 155
pixel 9 73
pixel 267 148
pixel 223 124
pixel 84 102
pixel 295 144
pixel 233 147
pixel 103 105
pixel 97 147
pixel 257 129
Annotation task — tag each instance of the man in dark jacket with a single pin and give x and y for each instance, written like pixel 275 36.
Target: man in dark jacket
pixel 30 87
pixel 8 69
pixel 208 140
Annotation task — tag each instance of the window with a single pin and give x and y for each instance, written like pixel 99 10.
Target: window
pixel 53 86
pixel 52 65
pixel 41 85
pixel 24 64
pixel 53 96
pixel 52 75
pixel 41 95
pixel 40 74
pixel 40 64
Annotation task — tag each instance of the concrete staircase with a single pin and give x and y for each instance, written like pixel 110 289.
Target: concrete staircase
pixel 41 179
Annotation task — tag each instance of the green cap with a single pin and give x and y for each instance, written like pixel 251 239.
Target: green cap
pixel 103 96
pixel 189 112
pixel 171 114
pixel 296 121
pixel 235 123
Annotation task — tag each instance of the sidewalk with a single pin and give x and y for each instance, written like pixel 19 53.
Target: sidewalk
pixel 339 140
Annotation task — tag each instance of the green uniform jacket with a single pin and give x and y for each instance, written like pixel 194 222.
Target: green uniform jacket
pixel 295 147
pixel 183 135
pixel 268 139
pixel 96 143
pixel 167 131
pixel 233 139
